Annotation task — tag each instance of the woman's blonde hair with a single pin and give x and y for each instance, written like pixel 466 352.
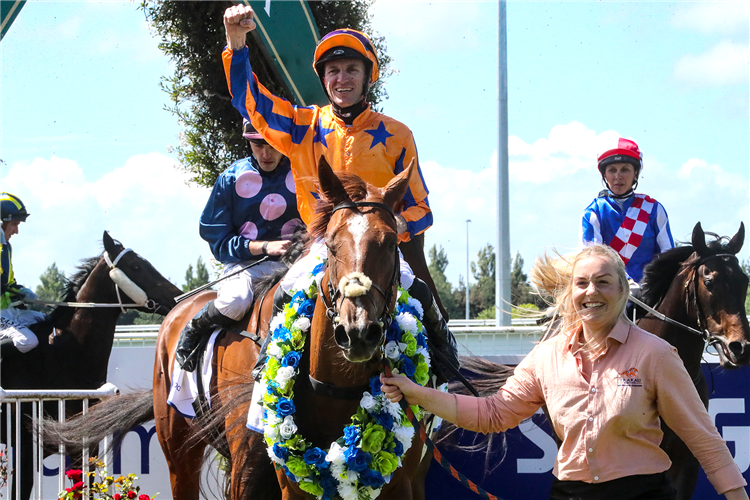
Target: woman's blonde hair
pixel 554 275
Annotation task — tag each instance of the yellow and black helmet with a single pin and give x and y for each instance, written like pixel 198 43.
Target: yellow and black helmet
pixel 12 208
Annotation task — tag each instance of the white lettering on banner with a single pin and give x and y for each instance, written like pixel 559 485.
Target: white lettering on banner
pixel 268 8
pixel 544 441
pixel 739 435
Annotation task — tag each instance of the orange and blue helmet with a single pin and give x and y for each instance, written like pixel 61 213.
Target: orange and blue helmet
pixel 12 208
pixel 347 44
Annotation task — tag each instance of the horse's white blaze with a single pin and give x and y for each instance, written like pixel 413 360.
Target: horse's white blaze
pixel 358 227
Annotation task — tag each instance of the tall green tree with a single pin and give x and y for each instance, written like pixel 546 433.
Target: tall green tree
pixel 746 268
pixel 51 287
pixel 438 264
pixel 199 279
pixel 520 289
pixel 192 36
pixel 482 293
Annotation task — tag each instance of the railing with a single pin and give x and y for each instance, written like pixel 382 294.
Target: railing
pixel 12 399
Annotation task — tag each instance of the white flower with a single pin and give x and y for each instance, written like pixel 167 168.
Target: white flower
pixel 393 409
pixel 338 469
pixel 284 375
pixel 336 454
pixel 404 434
pixel 288 428
pixel 351 476
pixel 407 322
pixel 271 432
pixel 273 456
pixel 368 402
pixel 277 321
pixel 417 305
pixel 272 418
pixel 302 323
pixel 371 491
pixel 424 352
pixel 274 350
pixel 348 491
pixel 392 350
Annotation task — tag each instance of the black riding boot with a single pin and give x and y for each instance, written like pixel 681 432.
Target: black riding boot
pixel 8 349
pixel 439 338
pixel 196 329
pixel 280 299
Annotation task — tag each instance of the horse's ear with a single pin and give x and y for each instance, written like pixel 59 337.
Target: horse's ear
pixel 735 244
pixel 109 244
pixel 395 191
pixel 331 187
pixel 699 240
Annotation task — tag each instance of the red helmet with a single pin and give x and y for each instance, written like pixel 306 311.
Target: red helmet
pixel 346 43
pixel 623 151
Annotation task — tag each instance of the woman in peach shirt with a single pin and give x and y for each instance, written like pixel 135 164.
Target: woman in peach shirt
pixel 606 384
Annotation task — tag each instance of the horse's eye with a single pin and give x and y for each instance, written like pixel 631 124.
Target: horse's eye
pixel 709 283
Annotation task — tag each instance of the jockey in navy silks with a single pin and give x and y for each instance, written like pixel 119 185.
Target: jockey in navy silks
pixel 15 335
pixel 251 213
pixel 633 224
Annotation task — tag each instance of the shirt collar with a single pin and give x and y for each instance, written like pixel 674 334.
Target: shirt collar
pixel 619 333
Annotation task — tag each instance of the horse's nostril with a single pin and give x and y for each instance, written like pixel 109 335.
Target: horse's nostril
pixel 737 348
pixel 374 333
pixel 342 339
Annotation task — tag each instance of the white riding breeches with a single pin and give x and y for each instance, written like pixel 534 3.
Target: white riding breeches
pixel 318 252
pixel 13 325
pixel 235 294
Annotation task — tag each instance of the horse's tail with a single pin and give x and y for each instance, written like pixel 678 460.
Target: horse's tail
pixel 487 378
pixel 115 414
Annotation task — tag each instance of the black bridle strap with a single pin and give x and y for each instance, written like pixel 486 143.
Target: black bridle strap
pixel 337 392
pixel 353 205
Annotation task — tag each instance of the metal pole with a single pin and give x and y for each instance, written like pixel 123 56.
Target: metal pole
pixel 502 256
pixel 467 268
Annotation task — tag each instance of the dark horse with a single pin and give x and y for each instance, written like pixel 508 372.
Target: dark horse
pixel 355 220
pixel 79 356
pixel 703 287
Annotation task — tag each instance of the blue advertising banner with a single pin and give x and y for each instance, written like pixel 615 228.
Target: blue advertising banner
pixel 519 466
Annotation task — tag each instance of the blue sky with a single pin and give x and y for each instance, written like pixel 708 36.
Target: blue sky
pixel 87 145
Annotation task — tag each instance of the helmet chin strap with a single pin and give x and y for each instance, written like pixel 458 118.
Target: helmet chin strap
pixel 623 196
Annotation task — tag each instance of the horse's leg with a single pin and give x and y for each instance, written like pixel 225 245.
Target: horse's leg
pixel 418 482
pixel 253 473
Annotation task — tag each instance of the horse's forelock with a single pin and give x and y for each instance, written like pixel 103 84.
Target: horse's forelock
pixel 356 189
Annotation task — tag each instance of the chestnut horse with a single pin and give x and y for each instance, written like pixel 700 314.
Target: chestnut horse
pixel 357 224
pixel 703 287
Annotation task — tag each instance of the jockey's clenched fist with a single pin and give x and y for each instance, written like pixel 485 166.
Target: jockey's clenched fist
pixel 238 20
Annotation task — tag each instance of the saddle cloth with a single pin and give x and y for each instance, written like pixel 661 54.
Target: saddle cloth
pixel 184 393
pixel 630 233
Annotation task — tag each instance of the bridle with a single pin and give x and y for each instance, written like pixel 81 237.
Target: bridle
pixel 335 296
pixel 691 302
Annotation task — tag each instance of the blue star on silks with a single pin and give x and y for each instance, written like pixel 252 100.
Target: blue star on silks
pixel 379 135
pixel 320 134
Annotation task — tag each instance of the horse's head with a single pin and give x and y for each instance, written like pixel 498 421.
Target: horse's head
pixel 717 288
pixel 358 223
pixel 138 279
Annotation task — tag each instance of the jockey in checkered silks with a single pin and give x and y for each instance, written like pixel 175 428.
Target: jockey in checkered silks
pixel 16 336
pixel 633 224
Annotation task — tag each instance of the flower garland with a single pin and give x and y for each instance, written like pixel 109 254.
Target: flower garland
pixel 357 465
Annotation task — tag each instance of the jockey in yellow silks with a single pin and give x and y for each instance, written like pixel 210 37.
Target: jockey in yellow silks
pixel 15 335
pixel 349 134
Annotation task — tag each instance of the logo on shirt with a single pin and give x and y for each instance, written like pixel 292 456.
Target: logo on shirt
pixel 629 378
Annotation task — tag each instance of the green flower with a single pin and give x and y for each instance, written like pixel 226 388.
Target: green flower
pixel 411 344
pixel 422 375
pixel 403 297
pixel 272 366
pixel 311 488
pixel 372 438
pixel 298 467
pixel 384 462
pixel 297 442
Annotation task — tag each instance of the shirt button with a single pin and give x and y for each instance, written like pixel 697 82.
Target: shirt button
pixel 593 390
pixel 591 419
pixel 591 449
pixel 596 478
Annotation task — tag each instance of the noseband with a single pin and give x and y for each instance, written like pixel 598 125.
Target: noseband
pixel 335 294
pixel 121 280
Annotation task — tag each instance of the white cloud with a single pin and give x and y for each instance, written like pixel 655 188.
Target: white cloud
pixel 552 180
pixel 726 63
pixel 724 18
pixel 146 204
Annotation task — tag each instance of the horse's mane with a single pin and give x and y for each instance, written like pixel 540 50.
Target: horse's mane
pixel 659 274
pixel 355 187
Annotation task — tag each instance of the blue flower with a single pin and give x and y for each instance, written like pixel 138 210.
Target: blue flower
pixel 329 484
pixel 371 478
pixel 273 387
pixel 285 407
pixel 375 385
pixel 281 333
pixel 319 268
pixel 393 333
pixel 398 450
pixel 289 474
pixel 356 459
pixel 291 359
pixel 351 435
pixel 385 419
pixel 280 451
pixel 315 456
pixel 299 296
pixel 407 367
pixel 406 308
pixel 421 340
pixel 307 308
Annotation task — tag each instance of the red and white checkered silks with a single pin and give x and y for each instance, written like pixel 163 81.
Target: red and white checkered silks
pixel 631 230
